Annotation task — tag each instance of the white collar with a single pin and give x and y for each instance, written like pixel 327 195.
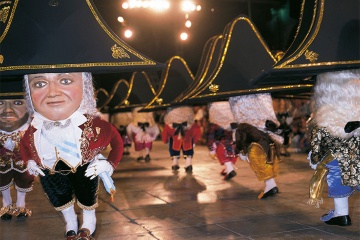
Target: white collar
pixel 77 118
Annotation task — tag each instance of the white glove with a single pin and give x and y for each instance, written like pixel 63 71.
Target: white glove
pixel 34 169
pixel 97 167
pixel 244 157
pixel 289 120
pixel 148 138
pixel 213 154
pixel 139 137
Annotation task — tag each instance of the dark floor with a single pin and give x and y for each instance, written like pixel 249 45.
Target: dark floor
pixel 152 202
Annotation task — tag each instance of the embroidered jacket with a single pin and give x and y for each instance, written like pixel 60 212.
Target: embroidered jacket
pixel 191 136
pixel 346 151
pixel 10 158
pixel 96 135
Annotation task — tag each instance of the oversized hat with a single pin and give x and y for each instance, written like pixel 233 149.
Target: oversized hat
pixel 175 78
pixel 242 59
pixel 62 36
pixel 327 39
pixel 209 59
pixel 140 92
pixel 111 94
pixel 11 88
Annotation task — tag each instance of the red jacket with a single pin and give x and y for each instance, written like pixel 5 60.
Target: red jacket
pixel 185 142
pixel 97 134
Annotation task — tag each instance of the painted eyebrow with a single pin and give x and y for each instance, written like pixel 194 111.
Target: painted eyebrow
pixel 42 76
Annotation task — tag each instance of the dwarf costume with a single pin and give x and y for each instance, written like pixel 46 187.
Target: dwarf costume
pixel 221 137
pixel 63 152
pixel 121 121
pixel 335 142
pixel 257 140
pixel 143 131
pixel 12 167
pixel 181 133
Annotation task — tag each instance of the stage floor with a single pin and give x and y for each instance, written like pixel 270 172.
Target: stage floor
pixel 153 202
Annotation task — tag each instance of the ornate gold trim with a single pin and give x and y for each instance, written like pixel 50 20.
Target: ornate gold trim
pixel 255 90
pixel 164 77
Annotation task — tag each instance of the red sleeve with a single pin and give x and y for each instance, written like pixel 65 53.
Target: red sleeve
pixel 196 132
pixel 117 145
pixel 165 134
pixel 26 151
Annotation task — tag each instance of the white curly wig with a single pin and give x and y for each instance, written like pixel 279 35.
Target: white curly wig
pixel 142 117
pixel 220 114
pixel 179 114
pixel 337 99
pixel 88 103
pixel 253 109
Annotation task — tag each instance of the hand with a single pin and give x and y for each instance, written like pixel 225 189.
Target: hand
pixel 34 169
pixel 148 138
pixel 244 157
pixel 213 154
pixel 97 167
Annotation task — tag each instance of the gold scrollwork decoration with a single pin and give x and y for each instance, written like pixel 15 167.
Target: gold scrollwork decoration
pixel 214 88
pixel 119 52
pixel 4 13
pixel 311 56
pixel 159 101
pixel 1 59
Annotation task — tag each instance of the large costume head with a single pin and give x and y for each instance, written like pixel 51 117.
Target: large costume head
pixel 56 96
pixel 220 114
pixel 121 119
pixel 13 110
pixel 256 110
pixel 179 115
pixel 334 108
pixel 142 117
pixel 253 109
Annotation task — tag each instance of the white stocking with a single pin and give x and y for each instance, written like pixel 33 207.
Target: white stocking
pixel 228 167
pixel 6 200
pixel 175 161
pixel 70 218
pixel 188 161
pixel 341 206
pixel 89 220
pixel 269 184
pixel 20 199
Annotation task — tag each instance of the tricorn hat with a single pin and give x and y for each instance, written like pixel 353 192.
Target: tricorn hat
pixel 140 92
pixel 62 36
pixel 11 88
pixel 241 61
pixel 327 39
pixel 175 78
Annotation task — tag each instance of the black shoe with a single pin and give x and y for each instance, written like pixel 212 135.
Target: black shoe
pixel 126 153
pixel 230 175
pixel 147 158
pixel 223 173
pixel 139 159
pixel 175 167
pixel 189 169
pixel 269 193
pixel 71 235
pixel 6 217
pixel 340 220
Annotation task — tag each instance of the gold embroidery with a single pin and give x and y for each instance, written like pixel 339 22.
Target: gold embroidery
pixel 4 13
pixel 119 52
pixel 214 88
pixel 311 56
